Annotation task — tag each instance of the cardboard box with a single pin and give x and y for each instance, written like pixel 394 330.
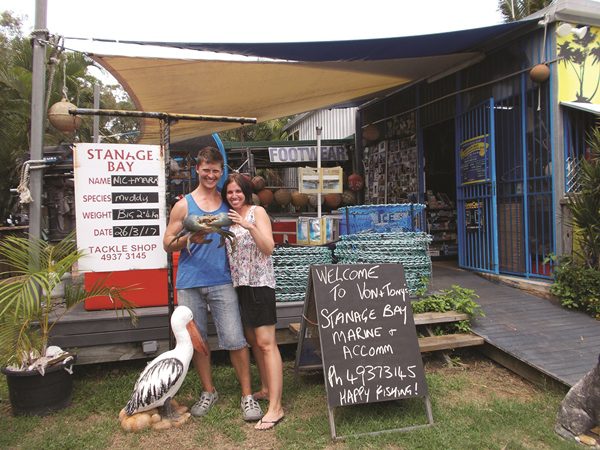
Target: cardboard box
pixel 332 228
pixel 315 231
pixel 332 180
pixel 302 231
pixel 328 180
pixel 309 180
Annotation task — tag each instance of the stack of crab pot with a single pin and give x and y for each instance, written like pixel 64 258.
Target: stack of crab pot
pixel 291 266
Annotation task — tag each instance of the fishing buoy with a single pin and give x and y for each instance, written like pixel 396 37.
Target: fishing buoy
pixel 266 197
pixel 539 73
pixel 355 182
pixel 348 198
pixel 299 199
pixel 283 197
pixel 259 183
pixel 333 200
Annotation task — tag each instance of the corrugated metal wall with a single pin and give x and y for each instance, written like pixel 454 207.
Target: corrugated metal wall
pixel 523 139
pixel 336 124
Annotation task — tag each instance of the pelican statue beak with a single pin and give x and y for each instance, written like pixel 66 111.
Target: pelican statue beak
pixel 197 341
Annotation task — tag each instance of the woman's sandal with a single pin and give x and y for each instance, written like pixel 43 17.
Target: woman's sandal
pixel 271 424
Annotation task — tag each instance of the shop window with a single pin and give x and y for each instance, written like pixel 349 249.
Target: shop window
pixel 577 126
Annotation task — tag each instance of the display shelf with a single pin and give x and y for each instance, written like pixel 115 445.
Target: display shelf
pixel 441 225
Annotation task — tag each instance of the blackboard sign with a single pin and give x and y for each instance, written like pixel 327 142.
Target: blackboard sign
pixel 369 346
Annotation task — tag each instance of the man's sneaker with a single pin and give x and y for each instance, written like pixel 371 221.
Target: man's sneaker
pixel 251 409
pixel 202 406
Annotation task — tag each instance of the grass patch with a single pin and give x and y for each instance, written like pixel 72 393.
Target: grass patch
pixel 478 405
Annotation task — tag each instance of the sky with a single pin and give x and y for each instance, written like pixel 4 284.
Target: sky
pixel 245 21
pixel 256 21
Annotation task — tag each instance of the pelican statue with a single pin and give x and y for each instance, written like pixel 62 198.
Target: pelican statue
pixel 164 375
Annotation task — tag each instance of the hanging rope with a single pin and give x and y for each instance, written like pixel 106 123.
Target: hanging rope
pixel 65 93
pixel 23 188
pixel 53 60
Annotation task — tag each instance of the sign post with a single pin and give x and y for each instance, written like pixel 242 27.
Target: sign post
pixel 369 351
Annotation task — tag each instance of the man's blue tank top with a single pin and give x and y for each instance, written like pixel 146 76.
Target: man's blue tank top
pixel 205 264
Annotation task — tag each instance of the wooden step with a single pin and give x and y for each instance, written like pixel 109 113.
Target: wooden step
pixel 439 317
pixel 449 341
pixel 430 344
pixel 420 319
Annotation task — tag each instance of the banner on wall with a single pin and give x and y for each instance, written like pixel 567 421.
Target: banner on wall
pixel 120 206
pixel 577 67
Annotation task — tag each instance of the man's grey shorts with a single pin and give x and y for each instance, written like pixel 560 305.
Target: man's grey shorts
pixel 225 311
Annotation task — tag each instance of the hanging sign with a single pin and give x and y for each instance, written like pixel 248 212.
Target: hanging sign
pixel 302 154
pixel 120 206
pixel 473 160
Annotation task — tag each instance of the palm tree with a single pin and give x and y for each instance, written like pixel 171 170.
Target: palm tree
pixel 69 70
pixel 513 10
pixel 271 130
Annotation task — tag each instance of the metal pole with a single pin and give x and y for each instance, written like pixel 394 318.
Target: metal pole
pixel 319 130
pixel 166 126
pixel 38 68
pixel 159 115
pixel 96 119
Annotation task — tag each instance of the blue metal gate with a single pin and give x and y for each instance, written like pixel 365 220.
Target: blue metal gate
pixel 476 189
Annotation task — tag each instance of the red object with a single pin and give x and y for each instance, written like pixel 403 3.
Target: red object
pixel 541 268
pixel 258 183
pixel 266 197
pixel 284 231
pixel 333 200
pixel 151 287
pixel 539 73
pixel 355 182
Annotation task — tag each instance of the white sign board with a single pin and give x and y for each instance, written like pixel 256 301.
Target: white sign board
pixel 120 206
pixel 302 154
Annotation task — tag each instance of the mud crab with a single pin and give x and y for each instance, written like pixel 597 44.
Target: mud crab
pixel 210 223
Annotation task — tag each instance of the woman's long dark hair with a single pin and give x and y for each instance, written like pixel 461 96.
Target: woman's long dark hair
pixel 243 182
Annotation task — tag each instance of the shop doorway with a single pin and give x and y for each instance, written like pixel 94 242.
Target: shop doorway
pixel 440 189
pixel 476 193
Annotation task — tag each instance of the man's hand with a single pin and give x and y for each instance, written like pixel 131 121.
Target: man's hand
pixel 199 237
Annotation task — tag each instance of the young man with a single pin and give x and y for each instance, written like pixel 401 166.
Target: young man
pixel 204 279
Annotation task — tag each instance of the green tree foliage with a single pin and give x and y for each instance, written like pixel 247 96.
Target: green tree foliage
pixel 513 10
pixel 271 130
pixel 15 87
pixel 577 278
pixel 577 287
pixel 585 204
pixel 63 69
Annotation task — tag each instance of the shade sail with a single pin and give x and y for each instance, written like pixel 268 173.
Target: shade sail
pixel 321 75
pixel 362 49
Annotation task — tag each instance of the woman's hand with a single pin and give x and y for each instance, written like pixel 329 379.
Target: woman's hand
pixel 238 219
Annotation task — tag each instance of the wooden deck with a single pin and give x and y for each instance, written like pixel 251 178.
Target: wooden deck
pixel 561 344
pixel 526 333
pixel 102 336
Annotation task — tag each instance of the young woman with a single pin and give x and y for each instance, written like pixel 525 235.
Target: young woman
pixel 254 279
